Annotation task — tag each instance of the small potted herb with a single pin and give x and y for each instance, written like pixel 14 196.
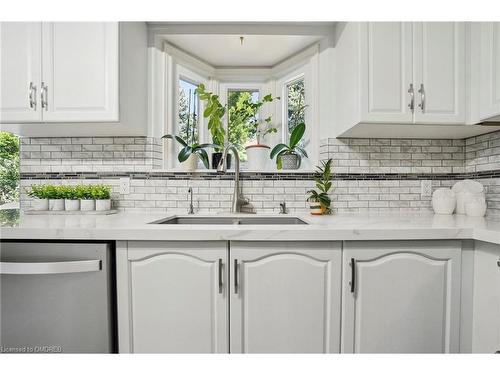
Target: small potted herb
pixel 71 201
pixel 289 156
pixel 102 196
pixel 40 197
pixel 87 202
pixel 56 198
pixel 319 201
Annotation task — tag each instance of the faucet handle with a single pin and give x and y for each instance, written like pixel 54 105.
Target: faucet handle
pixel 283 209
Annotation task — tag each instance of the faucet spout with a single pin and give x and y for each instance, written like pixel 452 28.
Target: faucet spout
pixel 238 200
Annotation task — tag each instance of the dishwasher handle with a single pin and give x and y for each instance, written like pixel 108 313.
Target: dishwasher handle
pixel 49 268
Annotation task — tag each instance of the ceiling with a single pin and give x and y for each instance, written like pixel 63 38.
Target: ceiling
pixel 221 50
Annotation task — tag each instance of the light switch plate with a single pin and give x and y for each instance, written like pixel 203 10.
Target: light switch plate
pixel 125 185
pixel 426 188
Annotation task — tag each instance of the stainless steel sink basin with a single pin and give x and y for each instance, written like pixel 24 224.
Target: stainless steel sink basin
pixel 217 220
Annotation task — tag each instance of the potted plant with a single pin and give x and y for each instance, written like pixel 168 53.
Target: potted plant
pixel 40 197
pixel 87 202
pixel 56 198
pixel 190 152
pixel 246 112
pixel 289 156
pixel 71 201
pixel 102 196
pixel 319 201
pixel 214 111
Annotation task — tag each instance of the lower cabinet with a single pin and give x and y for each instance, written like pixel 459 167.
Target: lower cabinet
pixel 285 297
pixel 172 297
pixel 486 311
pixel 401 297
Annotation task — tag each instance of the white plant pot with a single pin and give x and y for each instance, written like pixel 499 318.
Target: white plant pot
pixel 56 204
pixel 72 204
pixel 315 208
pixel 258 157
pixel 40 204
pixel 290 161
pixel 190 164
pixel 87 205
pixel 443 201
pixel 103 204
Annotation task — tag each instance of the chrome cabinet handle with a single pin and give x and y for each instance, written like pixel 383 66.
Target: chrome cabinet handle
pixel 353 275
pixel 236 286
pixel 43 96
pixel 32 96
pixel 422 97
pixel 411 105
pixel 498 262
pixel 48 268
pixel 220 277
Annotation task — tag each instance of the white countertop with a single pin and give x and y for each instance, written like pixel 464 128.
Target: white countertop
pixel 133 225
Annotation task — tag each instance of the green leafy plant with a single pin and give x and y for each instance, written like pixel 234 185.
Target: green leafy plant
pixel 39 191
pixel 66 192
pixel 191 148
pixel 84 192
pixel 323 179
pixel 101 191
pixel 214 111
pixel 9 167
pixel 292 148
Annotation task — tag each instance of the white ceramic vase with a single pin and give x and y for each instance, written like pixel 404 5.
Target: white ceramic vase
pixel 38 204
pixel 72 204
pixel 462 189
pixel 443 201
pixel 190 164
pixel 258 157
pixel 87 205
pixel 103 204
pixel 56 204
pixel 476 206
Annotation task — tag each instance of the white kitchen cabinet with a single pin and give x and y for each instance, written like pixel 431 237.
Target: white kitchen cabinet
pixel 80 71
pixel 489 106
pixel 486 305
pixel 439 72
pixel 402 80
pixel 90 79
pixel 401 297
pixel 172 297
pixel 20 71
pixel 285 297
pixel 386 53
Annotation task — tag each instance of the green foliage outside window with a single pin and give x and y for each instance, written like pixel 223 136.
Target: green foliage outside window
pixel 9 167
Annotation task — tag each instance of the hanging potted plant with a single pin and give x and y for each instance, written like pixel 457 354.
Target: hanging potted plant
pixel 214 111
pixel 289 156
pixel 40 197
pixel 319 200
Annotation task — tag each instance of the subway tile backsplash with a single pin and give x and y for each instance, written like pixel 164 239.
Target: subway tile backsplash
pixel 369 174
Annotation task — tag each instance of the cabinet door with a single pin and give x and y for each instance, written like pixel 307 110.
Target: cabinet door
pixel 486 311
pixel 172 297
pixel 285 297
pixel 490 70
pixel 405 298
pixel 20 71
pixel 80 71
pixel 386 74
pixel 439 72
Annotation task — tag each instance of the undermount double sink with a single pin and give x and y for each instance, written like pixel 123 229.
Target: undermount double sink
pixel 230 220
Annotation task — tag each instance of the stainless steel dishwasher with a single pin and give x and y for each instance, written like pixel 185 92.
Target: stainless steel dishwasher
pixel 57 297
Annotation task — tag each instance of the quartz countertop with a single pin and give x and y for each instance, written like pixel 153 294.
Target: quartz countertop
pixel 133 225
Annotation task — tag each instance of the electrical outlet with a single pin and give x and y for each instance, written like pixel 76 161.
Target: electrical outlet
pixel 426 188
pixel 125 185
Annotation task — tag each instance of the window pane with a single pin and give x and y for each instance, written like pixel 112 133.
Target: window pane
pixel 9 170
pixel 295 104
pixel 242 129
pixel 188 111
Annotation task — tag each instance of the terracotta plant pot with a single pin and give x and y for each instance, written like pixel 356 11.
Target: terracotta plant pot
pixel 258 157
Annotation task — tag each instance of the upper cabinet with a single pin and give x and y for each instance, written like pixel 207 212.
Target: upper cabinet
pixel 79 72
pixel 392 77
pixel 63 73
pixel 20 71
pixel 489 67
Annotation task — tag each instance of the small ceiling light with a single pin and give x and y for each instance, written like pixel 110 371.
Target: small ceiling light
pixel 241 40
